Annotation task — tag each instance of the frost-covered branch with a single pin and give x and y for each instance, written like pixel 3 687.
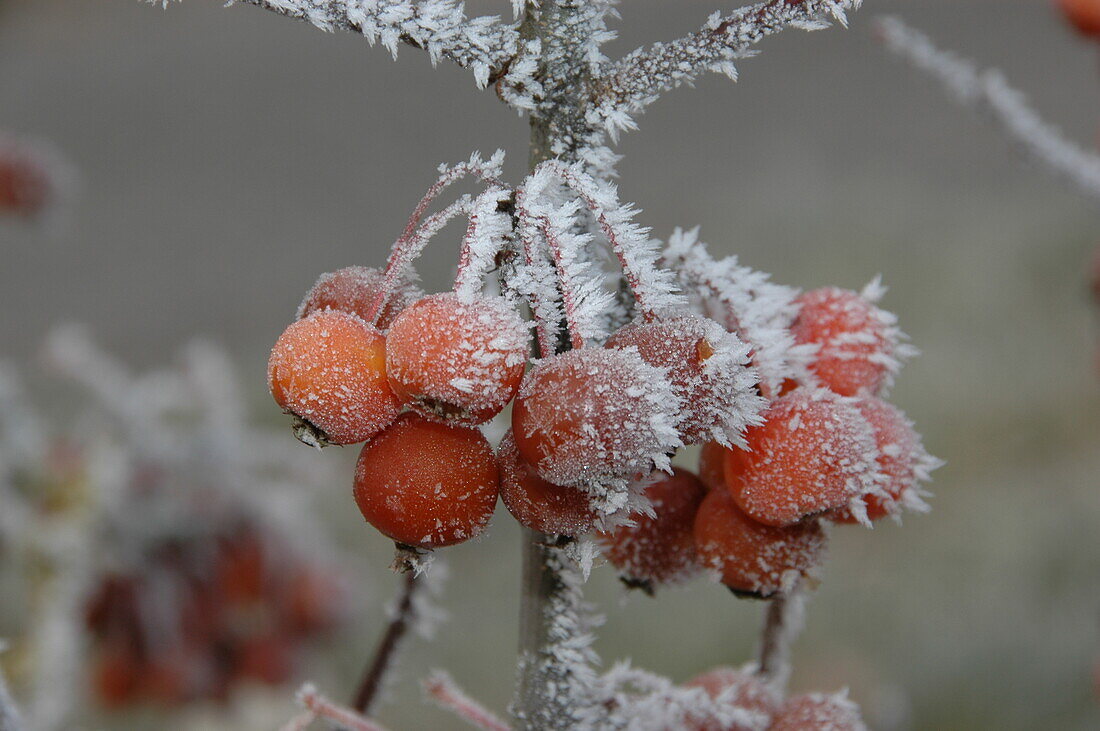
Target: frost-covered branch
pixel 318 706
pixel 987 91
pixel 442 689
pixel 638 80
pixel 482 44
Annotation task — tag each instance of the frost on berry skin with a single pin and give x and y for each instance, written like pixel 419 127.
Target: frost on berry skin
pixel 903 463
pixel 751 558
pixel 707 366
pixel 352 289
pixel 455 360
pixel 329 370
pixel 1083 15
pixel 859 346
pixel 659 549
pixel 740 688
pixel 426 484
pixel 712 465
pixel 814 452
pixel 537 504
pixel 595 419
pixel 820 712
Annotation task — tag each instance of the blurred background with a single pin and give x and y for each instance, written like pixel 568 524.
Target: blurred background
pixel 227 157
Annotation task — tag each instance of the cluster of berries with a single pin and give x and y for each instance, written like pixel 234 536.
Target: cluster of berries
pixel 240 608
pixel 1084 15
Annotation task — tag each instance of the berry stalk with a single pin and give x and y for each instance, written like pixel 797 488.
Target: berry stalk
pixel 367 692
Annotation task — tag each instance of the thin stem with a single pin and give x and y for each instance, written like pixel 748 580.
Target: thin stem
pixel 783 621
pixel 474 262
pixel 382 661
pixel 443 691
pixel 322 707
pixel 567 298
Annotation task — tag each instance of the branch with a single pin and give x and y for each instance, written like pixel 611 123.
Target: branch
pixel 639 79
pixel 989 93
pixel 403 613
pixel 783 620
pixel 442 689
pixel 440 27
pixel 318 706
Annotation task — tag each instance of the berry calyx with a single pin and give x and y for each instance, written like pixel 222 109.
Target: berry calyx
pixel 754 559
pixel 856 340
pixel 835 712
pixel 659 549
pixel 329 370
pixel 457 360
pixel 707 366
pixel 353 289
pixel 427 484
pixel 1084 15
pixel 741 689
pixel 814 452
pixel 537 504
pixel 590 415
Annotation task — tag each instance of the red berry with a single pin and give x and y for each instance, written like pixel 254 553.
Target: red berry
pixel 590 415
pixel 659 549
pixel 815 451
pixel 856 340
pixel 116 674
pixel 1084 15
pixel 708 368
pixel 819 712
pixel 902 461
pixel 25 184
pixel 353 289
pixel 329 370
pixel 455 360
pixel 712 465
pixel 753 558
pixel 427 484
pixel 741 689
pixel 540 505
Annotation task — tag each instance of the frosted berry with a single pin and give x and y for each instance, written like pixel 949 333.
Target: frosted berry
pixel 902 462
pixel 819 712
pixel 1084 15
pixel 353 289
pixel 537 504
pixel 455 360
pixel 427 484
pixel 708 368
pixel 329 370
pixel 659 549
pixel 588 415
pixel 856 340
pixel 741 689
pixel 712 465
pixel 814 452
pixel 752 558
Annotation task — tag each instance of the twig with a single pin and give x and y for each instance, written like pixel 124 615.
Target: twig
pixel 989 92
pixel 322 707
pixel 783 620
pixel 442 689
pixel 381 662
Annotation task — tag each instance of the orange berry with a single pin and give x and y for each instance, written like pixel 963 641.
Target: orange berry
pixel 540 505
pixel 752 558
pixel 856 340
pixel 1084 15
pixel 819 712
pixel 590 415
pixel 660 548
pixel 708 368
pixel 329 370
pixel 454 360
pixel 712 465
pixel 902 461
pixel 737 688
pixel 116 675
pixel 815 451
pixel 353 289
pixel 427 484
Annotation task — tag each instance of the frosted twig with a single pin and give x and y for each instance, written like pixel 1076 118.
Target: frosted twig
pixel 440 27
pixel 441 688
pixel 783 620
pixel 486 170
pixel 987 91
pixel 638 80
pixel 487 233
pixel 322 707
pixel 383 657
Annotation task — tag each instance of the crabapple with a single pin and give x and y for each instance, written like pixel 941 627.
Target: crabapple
pixel 1084 15
pixel 739 688
pixel 754 559
pixel 819 711
pixel 708 368
pixel 427 484
pixel 660 548
pixel 591 414
pixel 457 360
pixel 353 289
pixel 537 504
pixel 329 370
pixel 815 451
pixel 25 186
pixel 854 338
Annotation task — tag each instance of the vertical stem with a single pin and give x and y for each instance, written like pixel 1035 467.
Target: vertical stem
pixel 782 622
pixel 375 673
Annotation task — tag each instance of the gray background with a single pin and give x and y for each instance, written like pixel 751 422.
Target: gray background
pixel 229 156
